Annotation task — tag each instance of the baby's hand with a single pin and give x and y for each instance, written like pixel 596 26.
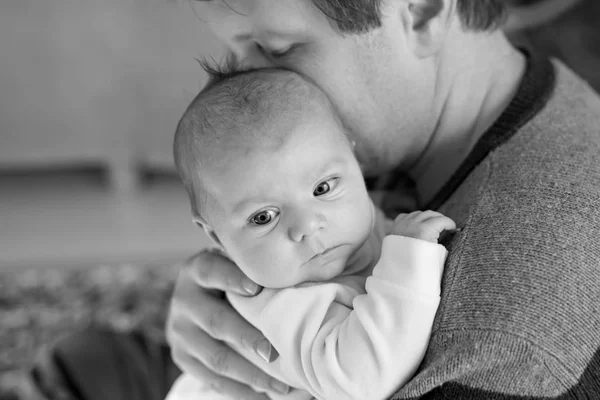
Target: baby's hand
pixel 424 225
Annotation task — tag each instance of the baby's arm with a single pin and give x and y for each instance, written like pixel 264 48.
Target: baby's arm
pixel 366 348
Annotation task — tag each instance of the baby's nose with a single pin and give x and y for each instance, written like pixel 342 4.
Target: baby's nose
pixel 306 224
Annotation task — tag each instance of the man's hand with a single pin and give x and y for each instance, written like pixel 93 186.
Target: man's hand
pixel 201 323
pixel 424 225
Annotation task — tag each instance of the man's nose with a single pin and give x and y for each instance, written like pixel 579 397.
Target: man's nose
pixel 248 54
pixel 305 224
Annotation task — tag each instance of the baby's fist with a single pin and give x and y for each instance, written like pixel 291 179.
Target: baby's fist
pixel 424 225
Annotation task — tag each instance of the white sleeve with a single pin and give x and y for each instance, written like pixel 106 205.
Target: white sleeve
pixel 186 387
pixel 370 349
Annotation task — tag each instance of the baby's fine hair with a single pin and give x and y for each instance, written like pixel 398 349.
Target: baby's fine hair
pixel 240 108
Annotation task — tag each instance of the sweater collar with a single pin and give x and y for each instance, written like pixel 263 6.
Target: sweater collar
pixel 532 95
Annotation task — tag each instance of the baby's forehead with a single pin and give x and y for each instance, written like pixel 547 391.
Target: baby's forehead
pixel 268 132
pixel 245 117
pixel 299 149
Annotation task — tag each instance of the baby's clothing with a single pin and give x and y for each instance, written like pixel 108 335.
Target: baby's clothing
pixel 359 335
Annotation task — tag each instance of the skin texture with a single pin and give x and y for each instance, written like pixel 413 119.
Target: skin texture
pixel 275 208
pixel 352 70
pixel 413 99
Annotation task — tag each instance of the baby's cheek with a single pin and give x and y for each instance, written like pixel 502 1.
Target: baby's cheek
pixel 268 264
pixel 245 254
pixel 255 259
pixel 365 216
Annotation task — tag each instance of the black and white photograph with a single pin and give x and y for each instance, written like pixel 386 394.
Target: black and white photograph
pixel 299 199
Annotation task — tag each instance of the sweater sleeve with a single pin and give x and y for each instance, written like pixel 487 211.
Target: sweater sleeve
pixel 367 348
pixel 470 364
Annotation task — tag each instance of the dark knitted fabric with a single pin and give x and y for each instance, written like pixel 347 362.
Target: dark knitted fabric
pixel 520 310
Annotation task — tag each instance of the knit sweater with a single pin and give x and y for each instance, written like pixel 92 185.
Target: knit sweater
pixel 520 310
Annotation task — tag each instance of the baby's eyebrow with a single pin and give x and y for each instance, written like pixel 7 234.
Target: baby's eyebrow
pixel 244 203
pixel 337 162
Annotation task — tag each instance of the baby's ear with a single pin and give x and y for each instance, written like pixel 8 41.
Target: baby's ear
pixel 210 232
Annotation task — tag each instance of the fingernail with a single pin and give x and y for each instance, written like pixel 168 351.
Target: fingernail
pixel 279 387
pixel 263 349
pixel 249 286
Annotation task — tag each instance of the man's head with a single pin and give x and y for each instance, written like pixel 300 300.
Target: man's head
pixel 377 60
pixel 357 16
pixel 272 177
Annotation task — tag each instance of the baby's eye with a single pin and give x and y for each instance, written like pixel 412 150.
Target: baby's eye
pixel 263 217
pixel 326 186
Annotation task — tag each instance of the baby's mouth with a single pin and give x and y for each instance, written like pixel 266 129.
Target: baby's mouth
pixel 322 254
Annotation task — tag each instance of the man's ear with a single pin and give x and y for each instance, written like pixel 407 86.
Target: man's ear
pixel 210 232
pixel 427 24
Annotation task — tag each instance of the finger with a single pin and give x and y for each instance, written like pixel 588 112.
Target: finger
pixel 403 216
pixel 184 307
pixel 213 383
pixel 413 217
pixel 439 223
pixel 217 318
pixel 421 216
pixel 213 270
pixel 221 360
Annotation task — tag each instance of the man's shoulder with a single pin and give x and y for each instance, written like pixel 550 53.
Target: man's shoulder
pixel 549 167
pixel 570 115
pixel 525 264
pixel 521 285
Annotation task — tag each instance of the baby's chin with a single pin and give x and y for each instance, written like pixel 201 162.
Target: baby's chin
pixel 328 271
pixel 320 273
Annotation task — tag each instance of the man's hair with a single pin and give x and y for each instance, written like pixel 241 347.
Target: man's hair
pixel 239 109
pixel 357 16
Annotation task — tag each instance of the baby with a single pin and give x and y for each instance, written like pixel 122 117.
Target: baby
pixel 349 296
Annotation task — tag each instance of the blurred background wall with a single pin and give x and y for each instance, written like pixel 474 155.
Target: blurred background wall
pixel 565 29
pixel 90 93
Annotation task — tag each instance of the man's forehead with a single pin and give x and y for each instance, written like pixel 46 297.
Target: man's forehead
pixel 278 17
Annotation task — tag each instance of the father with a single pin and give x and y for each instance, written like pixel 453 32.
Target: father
pixel 503 141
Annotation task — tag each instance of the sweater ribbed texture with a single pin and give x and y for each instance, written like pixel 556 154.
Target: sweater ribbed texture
pixel 520 310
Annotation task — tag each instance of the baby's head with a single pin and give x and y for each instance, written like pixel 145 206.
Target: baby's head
pixel 272 177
